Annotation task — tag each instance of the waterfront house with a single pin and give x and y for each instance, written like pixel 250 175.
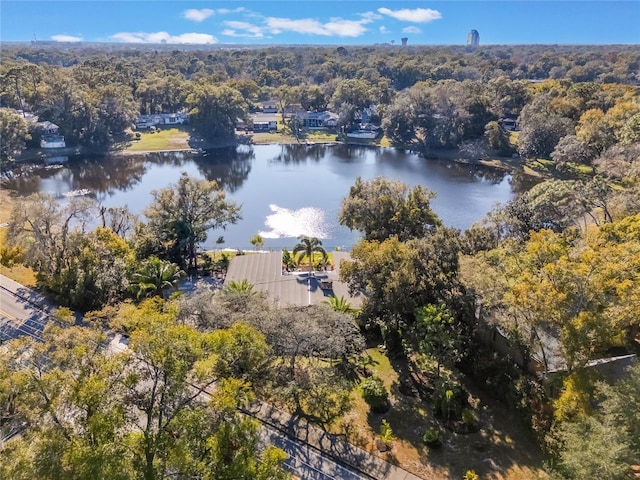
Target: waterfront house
pixel 158 119
pixel 270 106
pixel 318 120
pixel 51 137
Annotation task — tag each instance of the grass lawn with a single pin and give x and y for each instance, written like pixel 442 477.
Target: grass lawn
pixel 265 138
pixel 176 138
pixel 500 438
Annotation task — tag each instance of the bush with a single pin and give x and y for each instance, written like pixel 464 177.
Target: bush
pixel 470 475
pixel 450 398
pixel 375 394
pixel 386 433
pixel 431 438
pixel 468 417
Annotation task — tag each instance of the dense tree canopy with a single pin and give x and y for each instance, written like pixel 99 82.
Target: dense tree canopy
pixel 93 412
pixel 583 289
pixel 14 133
pixel 399 277
pixel 607 443
pixel 428 97
pixel 215 110
pixel 182 214
pixel 383 208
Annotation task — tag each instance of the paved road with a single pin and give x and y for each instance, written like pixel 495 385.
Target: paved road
pixel 24 312
pixel 306 462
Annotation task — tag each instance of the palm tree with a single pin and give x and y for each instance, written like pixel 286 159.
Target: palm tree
pixel 153 276
pixel 340 304
pixel 307 247
pixel 242 286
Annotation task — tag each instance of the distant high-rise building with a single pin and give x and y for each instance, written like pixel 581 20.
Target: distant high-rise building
pixel 473 39
pixel 404 41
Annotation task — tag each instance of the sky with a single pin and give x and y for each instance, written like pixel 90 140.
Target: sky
pixel 345 22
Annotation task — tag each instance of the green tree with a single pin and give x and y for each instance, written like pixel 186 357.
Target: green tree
pixel 14 132
pixel 340 304
pixel 181 215
pixel 541 128
pixel 438 335
pixel 257 241
pixel 81 270
pixel 399 277
pixel 153 276
pixel 143 413
pixel 375 394
pixel 410 120
pixel 313 98
pixel 242 286
pixel 215 110
pixel 307 247
pixel 69 395
pixel 594 131
pixel 177 364
pixel 630 132
pixel 571 150
pixel 383 208
pixel 605 443
pixel 581 289
pixel 498 139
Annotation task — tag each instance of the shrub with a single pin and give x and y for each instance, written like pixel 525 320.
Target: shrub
pixel 386 433
pixel 431 438
pixel 468 417
pixel 470 475
pixel 375 394
pixel 450 398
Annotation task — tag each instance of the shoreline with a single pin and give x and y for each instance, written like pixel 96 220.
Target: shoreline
pixel 511 165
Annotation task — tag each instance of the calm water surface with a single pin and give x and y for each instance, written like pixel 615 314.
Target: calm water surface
pixel 284 190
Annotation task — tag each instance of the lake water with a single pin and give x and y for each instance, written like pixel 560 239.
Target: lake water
pixel 284 190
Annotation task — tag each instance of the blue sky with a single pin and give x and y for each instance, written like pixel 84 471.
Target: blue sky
pixel 322 22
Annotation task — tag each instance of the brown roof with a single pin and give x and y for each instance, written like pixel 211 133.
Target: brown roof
pixel 264 271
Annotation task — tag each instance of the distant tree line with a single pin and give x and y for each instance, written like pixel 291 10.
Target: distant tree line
pixel 425 97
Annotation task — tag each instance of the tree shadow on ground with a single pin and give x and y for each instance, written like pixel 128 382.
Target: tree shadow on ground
pixel 500 444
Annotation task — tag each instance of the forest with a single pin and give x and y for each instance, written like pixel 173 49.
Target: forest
pixel 554 272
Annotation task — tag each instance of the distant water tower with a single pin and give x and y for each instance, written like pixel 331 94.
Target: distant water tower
pixel 404 41
pixel 473 39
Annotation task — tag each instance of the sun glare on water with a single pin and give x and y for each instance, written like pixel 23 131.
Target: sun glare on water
pixel 283 223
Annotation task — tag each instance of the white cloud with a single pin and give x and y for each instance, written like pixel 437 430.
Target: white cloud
pixel 335 27
pixel 416 15
pixel 383 29
pixel 346 28
pixel 370 16
pixel 164 37
pixel 65 38
pixel 246 29
pixel 224 11
pixel 197 15
pixel 411 29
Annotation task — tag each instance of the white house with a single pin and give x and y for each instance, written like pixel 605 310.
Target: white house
pixel 270 106
pixel 318 120
pixel 51 137
pixel 146 121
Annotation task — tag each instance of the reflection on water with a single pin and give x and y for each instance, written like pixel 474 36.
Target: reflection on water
pixel 299 153
pixel 284 190
pixel 286 223
pixel 229 167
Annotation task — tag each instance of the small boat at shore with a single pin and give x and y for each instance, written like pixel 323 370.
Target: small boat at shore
pixel 77 193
